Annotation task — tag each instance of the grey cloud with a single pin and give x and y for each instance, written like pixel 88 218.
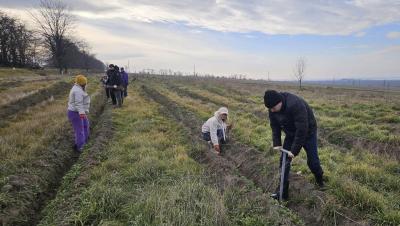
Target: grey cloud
pixel 273 17
pixel 16 4
pixel 340 17
pixel 82 5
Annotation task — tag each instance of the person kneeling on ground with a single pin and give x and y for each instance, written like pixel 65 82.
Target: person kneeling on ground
pixel 295 117
pixel 214 130
pixel 78 108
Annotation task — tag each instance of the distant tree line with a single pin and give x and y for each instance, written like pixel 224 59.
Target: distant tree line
pixel 50 43
pixel 18 45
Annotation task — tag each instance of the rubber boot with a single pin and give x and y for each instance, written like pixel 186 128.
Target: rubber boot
pixel 319 180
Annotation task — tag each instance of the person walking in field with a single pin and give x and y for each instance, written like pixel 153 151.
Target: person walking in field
pixel 115 86
pixel 295 117
pixel 78 108
pixel 106 81
pixel 125 82
pixel 215 129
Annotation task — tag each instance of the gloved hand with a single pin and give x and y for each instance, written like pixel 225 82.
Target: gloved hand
pixel 216 148
pixel 82 116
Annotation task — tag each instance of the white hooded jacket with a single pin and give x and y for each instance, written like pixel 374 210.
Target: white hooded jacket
pixel 215 123
pixel 79 100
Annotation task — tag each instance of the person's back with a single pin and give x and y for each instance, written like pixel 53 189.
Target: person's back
pixel 290 115
pixel 115 78
pixel 211 124
pixel 124 77
pixel 125 82
pixel 109 75
pixel 115 83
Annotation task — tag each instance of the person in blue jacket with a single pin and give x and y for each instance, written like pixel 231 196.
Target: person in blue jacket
pixel 125 82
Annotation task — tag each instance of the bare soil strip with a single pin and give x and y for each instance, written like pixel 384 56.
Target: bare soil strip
pixel 9 84
pixel 13 83
pixel 10 110
pixel 33 189
pixel 101 135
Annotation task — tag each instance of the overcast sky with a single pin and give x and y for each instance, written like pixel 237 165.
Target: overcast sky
pixel 338 38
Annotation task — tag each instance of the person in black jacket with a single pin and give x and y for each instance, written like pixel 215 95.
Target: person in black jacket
pixel 106 81
pixel 294 116
pixel 115 82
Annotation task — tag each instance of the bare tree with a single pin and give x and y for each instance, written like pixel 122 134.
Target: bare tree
pixel 36 51
pixel 299 70
pixel 55 22
pixel 16 42
pixel 85 52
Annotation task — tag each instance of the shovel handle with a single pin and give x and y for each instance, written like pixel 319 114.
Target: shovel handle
pixel 284 150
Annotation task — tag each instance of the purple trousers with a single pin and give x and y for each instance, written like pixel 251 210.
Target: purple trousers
pixel 81 128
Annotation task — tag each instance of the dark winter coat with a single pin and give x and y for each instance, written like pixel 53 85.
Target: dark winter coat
pixel 109 74
pixel 296 119
pixel 114 78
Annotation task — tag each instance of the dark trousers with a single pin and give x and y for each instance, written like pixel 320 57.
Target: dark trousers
pixel 125 91
pixel 220 135
pixel 108 91
pixel 122 96
pixel 311 148
pixel 116 97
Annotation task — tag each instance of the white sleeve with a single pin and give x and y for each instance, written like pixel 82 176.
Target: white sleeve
pixel 78 102
pixel 213 132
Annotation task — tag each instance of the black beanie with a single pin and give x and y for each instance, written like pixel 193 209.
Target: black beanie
pixel 272 98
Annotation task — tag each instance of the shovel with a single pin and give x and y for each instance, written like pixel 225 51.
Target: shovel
pixel 285 153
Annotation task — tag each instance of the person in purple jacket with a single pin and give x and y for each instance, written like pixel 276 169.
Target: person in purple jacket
pixel 125 82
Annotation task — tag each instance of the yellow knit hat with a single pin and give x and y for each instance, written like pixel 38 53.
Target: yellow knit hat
pixel 81 80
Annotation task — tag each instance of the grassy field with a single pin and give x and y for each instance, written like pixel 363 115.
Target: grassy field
pixel 35 148
pixel 145 164
pixel 360 176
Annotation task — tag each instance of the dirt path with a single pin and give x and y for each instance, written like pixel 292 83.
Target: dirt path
pixel 252 165
pixel 33 189
pixel 10 110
